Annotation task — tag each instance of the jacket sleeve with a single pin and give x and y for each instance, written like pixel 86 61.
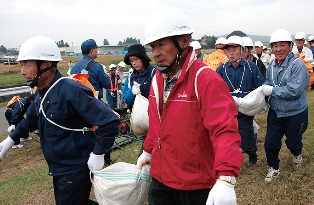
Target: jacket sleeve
pixel 219 113
pixel 128 96
pixel 258 77
pixel 16 112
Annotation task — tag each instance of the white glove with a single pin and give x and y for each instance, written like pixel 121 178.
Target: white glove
pixel 5 146
pixel 144 158
pixel 222 193
pixel 112 94
pixel 267 90
pixel 95 162
pixel 235 100
pixel 11 128
pixel 136 88
pixel 120 92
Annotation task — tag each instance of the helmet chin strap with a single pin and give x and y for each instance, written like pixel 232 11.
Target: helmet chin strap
pixel 34 82
pixel 167 69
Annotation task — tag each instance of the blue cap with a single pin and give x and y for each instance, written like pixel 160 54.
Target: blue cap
pixel 89 44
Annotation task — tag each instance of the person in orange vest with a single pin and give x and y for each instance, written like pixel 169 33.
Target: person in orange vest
pixel 215 59
pixel 115 87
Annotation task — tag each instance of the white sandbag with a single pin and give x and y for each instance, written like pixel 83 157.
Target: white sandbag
pixel 139 115
pixel 253 103
pixel 122 184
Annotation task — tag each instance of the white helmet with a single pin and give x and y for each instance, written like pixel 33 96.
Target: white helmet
pixel 234 40
pixel 195 45
pixel 311 38
pixel 258 44
pixel 112 66
pixel 280 35
pixel 121 64
pixel 247 41
pixel 300 35
pixel 39 48
pixel 221 40
pixel 166 22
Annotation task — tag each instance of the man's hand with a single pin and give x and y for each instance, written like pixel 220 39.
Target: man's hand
pixel 136 88
pixel 144 158
pixel 5 146
pixel 267 89
pixel 112 94
pixel 95 162
pixel 11 128
pixel 222 193
pixel 120 92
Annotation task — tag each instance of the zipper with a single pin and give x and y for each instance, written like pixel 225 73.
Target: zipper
pixel 159 144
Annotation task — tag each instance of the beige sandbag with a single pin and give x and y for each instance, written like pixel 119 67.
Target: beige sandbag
pixel 253 103
pixel 122 184
pixel 139 115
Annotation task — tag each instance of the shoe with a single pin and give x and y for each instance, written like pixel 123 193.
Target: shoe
pixel 17 146
pixel 297 160
pixel 26 139
pixel 272 174
pixel 253 158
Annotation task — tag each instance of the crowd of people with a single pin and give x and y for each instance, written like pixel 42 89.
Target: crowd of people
pixel 196 137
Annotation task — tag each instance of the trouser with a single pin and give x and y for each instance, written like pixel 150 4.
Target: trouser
pixel 246 130
pixel 292 126
pixel 112 100
pixel 160 194
pixel 73 189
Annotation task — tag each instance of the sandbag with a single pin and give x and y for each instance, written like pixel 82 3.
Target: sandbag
pixel 253 103
pixel 122 184
pixel 139 115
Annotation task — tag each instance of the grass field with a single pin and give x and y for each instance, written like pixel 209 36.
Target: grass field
pixel 24 175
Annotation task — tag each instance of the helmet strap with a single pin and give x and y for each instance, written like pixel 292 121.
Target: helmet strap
pixel 167 69
pixel 34 82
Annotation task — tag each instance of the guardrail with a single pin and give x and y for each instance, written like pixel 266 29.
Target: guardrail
pixel 7 93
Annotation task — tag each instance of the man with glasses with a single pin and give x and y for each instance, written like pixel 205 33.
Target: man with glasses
pixel 97 76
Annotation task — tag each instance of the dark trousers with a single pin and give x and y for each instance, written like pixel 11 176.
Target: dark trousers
pixel 160 194
pixel 73 189
pixel 246 130
pixel 112 101
pixel 292 126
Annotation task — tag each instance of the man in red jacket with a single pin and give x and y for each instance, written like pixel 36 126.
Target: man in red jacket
pixel 193 142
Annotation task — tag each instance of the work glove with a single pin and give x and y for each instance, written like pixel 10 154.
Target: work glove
pixel 144 158
pixel 5 146
pixel 222 193
pixel 235 100
pixel 112 94
pixel 267 89
pixel 136 88
pixel 11 128
pixel 95 162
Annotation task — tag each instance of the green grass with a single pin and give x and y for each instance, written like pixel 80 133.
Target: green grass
pixel 11 79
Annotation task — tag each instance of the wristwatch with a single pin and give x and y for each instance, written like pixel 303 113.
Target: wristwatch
pixel 230 179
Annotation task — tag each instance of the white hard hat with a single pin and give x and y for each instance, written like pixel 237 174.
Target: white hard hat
pixel 166 22
pixel 258 44
pixel 121 64
pixel 234 40
pixel 221 40
pixel 112 66
pixel 280 35
pixel 247 41
pixel 300 35
pixel 39 48
pixel 311 38
pixel 195 45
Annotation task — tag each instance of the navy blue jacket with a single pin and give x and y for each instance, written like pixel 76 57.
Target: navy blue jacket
pixel 18 110
pixel 72 105
pixel 144 78
pixel 246 77
pixel 97 76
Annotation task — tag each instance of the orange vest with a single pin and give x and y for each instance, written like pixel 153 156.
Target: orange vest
pixel 215 59
pixel 115 86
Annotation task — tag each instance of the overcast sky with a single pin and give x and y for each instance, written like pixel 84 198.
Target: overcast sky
pixel 114 20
